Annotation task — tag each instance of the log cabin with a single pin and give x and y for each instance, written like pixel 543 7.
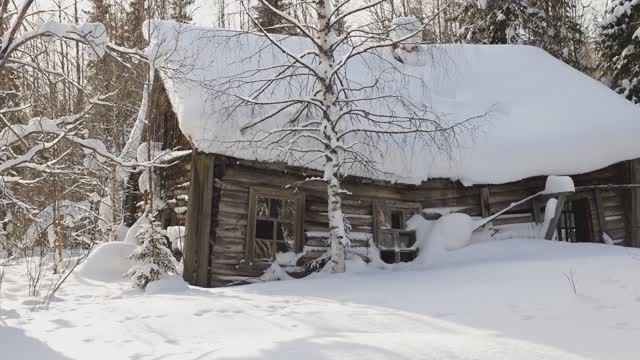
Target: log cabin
pixel 244 209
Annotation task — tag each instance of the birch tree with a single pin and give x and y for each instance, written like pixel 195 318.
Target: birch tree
pixel 337 123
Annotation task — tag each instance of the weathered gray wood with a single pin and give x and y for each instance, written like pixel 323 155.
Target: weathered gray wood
pixel 538 217
pixel 635 204
pixel 254 192
pixel 597 197
pixel 231 248
pixel 551 229
pixel 196 255
pixel 251 226
pixel 485 202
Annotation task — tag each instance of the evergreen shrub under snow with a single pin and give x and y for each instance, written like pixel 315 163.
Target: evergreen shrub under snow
pixel 152 259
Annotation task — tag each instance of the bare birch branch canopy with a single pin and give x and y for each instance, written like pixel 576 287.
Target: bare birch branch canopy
pixel 530 113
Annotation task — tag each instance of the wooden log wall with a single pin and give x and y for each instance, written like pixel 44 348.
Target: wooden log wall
pixel 174 184
pixel 229 248
pixel 175 179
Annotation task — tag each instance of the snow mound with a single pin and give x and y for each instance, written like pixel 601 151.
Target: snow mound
pixel 107 262
pixel 559 184
pixel 167 285
pixel 132 233
pixel 436 238
pixel 121 232
pixel 274 273
pixel 453 231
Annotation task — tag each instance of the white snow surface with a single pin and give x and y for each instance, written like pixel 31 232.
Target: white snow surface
pixel 549 213
pixel 107 262
pixel 454 230
pixel 493 300
pixel 132 233
pixel 434 238
pixel 542 116
pixel 168 284
pixel 559 184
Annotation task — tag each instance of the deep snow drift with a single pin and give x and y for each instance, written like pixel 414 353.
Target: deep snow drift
pixel 493 300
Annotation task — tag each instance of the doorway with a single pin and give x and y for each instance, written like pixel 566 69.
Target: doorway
pixel 575 223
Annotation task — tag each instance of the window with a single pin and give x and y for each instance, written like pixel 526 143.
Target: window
pixel 275 223
pixel 574 224
pixel 397 220
pixel 395 242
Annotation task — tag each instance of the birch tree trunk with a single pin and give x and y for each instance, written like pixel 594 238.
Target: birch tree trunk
pixel 337 234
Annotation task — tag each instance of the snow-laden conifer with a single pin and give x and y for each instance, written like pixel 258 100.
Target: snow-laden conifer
pixel 152 259
pixel 619 46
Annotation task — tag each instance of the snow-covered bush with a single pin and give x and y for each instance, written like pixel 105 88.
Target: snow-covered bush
pixel 152 259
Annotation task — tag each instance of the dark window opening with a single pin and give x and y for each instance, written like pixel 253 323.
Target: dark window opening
pixel 408 256
pixel 388 256
pixel 397 220
pixel 396 243
pixel 574 224
pixel 264 229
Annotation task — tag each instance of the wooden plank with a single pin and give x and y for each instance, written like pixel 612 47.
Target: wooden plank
pixel 600 212
pixel 554 222
pixel 536 207
pixel 635 204
pixel 196 259
pixel 508 220
pixel 378 219
pixel 485 202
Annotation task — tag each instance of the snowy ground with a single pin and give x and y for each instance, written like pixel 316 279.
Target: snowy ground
pixel 494 300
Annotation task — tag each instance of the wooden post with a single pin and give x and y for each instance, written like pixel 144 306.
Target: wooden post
pixel 378 219
pixel 554 222
pixel 538 217
pixel 635 204
pixel 485 202
pixel 198 222
pixel 602 224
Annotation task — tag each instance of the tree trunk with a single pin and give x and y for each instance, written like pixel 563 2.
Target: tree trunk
pixel 337 234
pixel 55 234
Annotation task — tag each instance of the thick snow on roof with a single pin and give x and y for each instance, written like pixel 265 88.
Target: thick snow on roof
pixel 542 116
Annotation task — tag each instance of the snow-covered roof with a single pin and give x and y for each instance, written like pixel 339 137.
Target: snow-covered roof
pixel 542 116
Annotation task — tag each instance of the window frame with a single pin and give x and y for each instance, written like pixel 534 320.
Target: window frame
pixel 298 222
pixel 383 224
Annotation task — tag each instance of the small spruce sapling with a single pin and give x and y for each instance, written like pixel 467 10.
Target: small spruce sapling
pixel 152 259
